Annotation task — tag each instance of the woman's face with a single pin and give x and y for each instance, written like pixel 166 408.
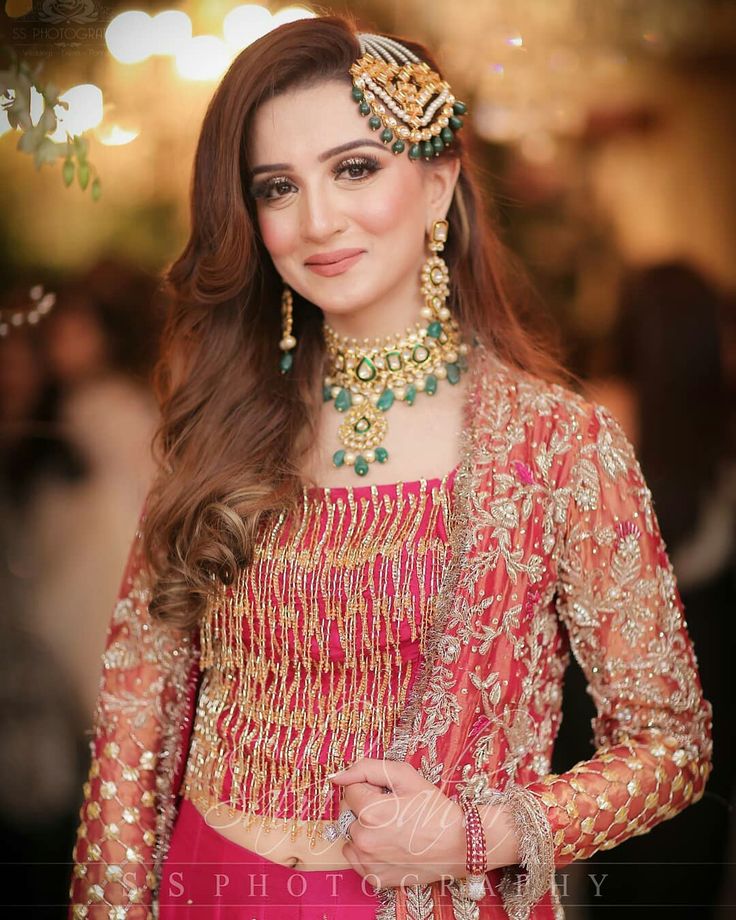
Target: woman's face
pixel 344 219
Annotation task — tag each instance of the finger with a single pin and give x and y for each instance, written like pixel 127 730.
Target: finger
pixel 359 796
pixel 379 772
pixel 350 852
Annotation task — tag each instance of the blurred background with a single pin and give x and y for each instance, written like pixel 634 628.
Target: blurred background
pixel 606 133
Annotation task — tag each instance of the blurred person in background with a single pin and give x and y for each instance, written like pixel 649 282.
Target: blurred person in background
pixel 669 386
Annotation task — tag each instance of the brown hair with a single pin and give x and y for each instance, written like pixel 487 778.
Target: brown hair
pixel 233 428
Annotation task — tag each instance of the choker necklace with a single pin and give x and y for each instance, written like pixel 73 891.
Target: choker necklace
pixel 366 377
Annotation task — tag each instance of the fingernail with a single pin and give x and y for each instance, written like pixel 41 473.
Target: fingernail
pixel 331 775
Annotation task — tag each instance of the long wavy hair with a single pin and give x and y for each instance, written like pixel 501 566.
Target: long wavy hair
pixel 233 428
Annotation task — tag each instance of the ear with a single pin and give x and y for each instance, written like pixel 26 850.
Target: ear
pixel 440 180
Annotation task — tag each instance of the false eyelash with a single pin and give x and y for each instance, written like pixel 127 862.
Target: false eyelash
pixel 369 163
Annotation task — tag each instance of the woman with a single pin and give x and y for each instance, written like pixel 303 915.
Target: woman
pixel 280 622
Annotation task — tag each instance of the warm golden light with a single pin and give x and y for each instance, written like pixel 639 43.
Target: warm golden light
pixel 171 30
pixel 84 112
pixel 129 37
pixel 115 136
pixel 244 24
pixel 292 14
pixel 204 57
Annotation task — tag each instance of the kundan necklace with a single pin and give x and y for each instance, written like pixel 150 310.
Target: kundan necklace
pixel 365 378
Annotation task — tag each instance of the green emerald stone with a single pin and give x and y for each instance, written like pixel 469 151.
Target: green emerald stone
pixel 366 370
pixel 437 143
pixel 427 149
pixel 374 122
pixel 381 454
pixel 326 393
pixel 338 458
pixel 358 95
pixel 398 146
pixel 434 329
pixel 287 359
pixel 420 353
pixel 415 151
pixel 343 400
pixel 447 136
pixel 385 400
pixel 362 425
pixel 430 385
pixel 459 108
pixel 455 123
pixel 387 135
pixel 364 108
pixel 411 394
pixel 462 362
pixel 361 465
pixel 453 373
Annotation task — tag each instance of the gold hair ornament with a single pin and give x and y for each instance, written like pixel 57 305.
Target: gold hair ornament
pixel 406 98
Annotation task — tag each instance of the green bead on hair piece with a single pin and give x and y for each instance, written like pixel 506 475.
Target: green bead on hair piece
pixel 415 152
pixel 447 136
pixel 437 143
pixel 364 108
pixel 455 123
pixel 453 373
pixel 374 122
pixel 398 146
pixel 387 135
pixel 459 108
pixel 361 465
pixel 427 149
pixel 343 400
pixel 357 94
pixel 430 385
pixel 285 362
pixel 326 393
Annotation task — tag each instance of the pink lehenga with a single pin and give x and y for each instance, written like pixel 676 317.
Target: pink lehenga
pixel 550 546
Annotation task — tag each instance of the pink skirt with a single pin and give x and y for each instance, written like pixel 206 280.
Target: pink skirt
pixel 208 877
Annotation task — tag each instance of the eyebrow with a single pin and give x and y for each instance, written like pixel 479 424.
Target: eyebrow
pixel 333 151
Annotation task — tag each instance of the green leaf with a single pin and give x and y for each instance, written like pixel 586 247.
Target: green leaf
pixel 83 174
pixel 96 190
pixel 67 172
pixel 47 121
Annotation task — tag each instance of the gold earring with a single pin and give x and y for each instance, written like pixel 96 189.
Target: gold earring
pixel 436 279
pixel 288 341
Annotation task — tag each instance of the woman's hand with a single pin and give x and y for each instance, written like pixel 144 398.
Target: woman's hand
pixel 413 835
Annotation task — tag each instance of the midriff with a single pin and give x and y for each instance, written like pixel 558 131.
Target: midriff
pixel 276 843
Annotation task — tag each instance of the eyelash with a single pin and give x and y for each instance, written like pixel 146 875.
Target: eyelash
pixel 368 163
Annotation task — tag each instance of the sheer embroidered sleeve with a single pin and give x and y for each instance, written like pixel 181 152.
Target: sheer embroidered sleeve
pixel 113 860
pixel 618 598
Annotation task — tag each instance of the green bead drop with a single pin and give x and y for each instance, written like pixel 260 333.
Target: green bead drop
pixel 287 359
pixel 374 122
pixel 437 143
pixel 447 136
pixel 434 329
pixel 455 123
pixel 398 146
pixel 430 385
pixel 338 458
pixel 427 149
pixel 385 400
pixel 453 373
pixel 459 108
pixel 357 93
pixel 343 400
pixel 387 135
pixel 381 454
pixel 326 393
pixel 361 465
pixel 415 151
pixel 364 108
pixel 411 394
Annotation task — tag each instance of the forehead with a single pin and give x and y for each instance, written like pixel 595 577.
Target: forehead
pixel 301 123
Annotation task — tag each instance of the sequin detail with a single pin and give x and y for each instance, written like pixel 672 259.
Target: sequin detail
pixel 309 655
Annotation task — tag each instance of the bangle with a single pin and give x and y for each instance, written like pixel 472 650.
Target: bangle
pixel 475 854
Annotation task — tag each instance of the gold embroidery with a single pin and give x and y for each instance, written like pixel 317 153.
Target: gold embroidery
pixel 305 656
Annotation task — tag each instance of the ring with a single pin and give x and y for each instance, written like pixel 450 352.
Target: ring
pixel 345 820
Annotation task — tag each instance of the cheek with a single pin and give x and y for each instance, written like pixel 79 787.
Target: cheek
pixel 389 211
pixel 278 232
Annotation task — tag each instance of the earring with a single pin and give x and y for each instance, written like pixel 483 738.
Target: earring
pixel 288 341
pixel 436 280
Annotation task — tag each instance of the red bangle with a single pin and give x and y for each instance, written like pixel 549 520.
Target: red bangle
pixel 476 854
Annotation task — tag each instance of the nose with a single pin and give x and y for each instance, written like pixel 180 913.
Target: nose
pixel 321 217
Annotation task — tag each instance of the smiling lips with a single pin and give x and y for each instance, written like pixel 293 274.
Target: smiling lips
pixel 333 263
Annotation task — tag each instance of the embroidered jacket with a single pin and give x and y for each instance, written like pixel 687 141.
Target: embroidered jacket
pixel 556 549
